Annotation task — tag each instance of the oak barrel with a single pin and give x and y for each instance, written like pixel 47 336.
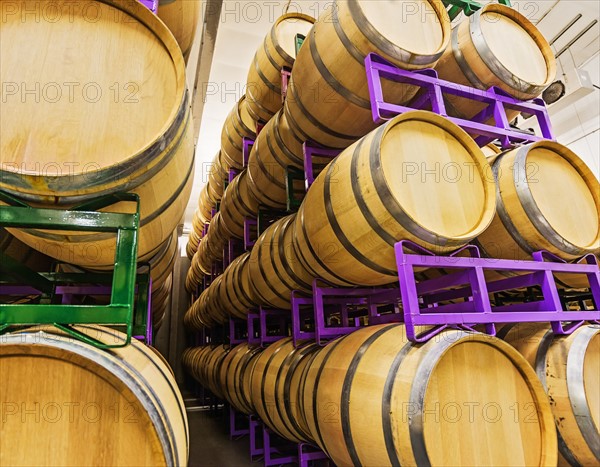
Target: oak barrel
pixel 194 275
pixel 196 234
pixel 419 177
pixel 204 364
pixel 276 148
pixel 235 374
pixel 274 268
pixel 206 310
pixel 569 368
pixel 238 125
pixel 328 99
pixel 126 399
pixel 213 364
pixel 277 50
pixel 234 295
pixel 548 199
pixel 161 303
pixel 237 204
pixel 211 247
pixel 497 46
pixel 124 129
pixel 181 17
pixel 206 203
pixel 270 394
pixel 436 403
pixel 215 186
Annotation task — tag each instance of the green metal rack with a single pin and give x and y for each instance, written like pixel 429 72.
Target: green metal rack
pixel 468 7
pixel 121 312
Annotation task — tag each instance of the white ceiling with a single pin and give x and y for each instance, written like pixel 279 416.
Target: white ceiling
pixel 244 24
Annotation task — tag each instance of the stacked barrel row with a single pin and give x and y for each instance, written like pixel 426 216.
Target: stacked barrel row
pixel 374 398
pixel 262 100
pixel 417 177
pixel 443 176
pixel 346 236
pixel 132 134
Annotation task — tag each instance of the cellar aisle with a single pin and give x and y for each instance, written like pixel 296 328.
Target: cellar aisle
pixel 210 444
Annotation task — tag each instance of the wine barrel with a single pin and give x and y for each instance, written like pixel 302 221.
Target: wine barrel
pixel 206 203
pixel 419 177
pixel 204 364
pixel 269 393
pixel 206 311
pixel 274 268
pixel 126 399
pixel 287 390
pixel 307 402
pixel 238 125
pixel 213 364
pixel 211 247
pixel 328 98
pixel 217 174
pixel 278 50
pixel 127 129
pixel 490 151
pixel 161 272
pixel 193 241
pixel 191 359
pixel 238 203
pixel 191 318
pixel 235 374
pixel 427 405
pixel 198 222
pixel 548 199
pixel 233 292
pixel 497 46
pixel 569 368
pixel 274 150
pixel 161 264
pixel 160 302
pixel 194 275
pixel 181 17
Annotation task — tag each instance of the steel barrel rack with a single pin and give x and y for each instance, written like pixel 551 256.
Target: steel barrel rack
pixel 130 301
pixel 468 295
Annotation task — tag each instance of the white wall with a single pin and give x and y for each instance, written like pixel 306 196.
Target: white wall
pixel 578 126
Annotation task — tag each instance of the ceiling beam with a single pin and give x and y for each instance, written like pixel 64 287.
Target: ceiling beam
pixel 212 16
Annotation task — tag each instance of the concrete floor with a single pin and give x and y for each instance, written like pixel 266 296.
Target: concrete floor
pixel 210 444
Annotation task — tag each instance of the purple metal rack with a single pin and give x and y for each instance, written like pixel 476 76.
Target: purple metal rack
pixel 152 5
pixel 304 452
pixel 232 174
pixel 274 450
pixel 432 95
pixel 469 283
pixel 255 431
pixel 247 144
pixel 460 298
pixel 236 432
pixel 327 312
pixel 231 251
pixel 250 231
pixel 286 74
pixel 261 321
pixel 237 331
pixel 311 150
